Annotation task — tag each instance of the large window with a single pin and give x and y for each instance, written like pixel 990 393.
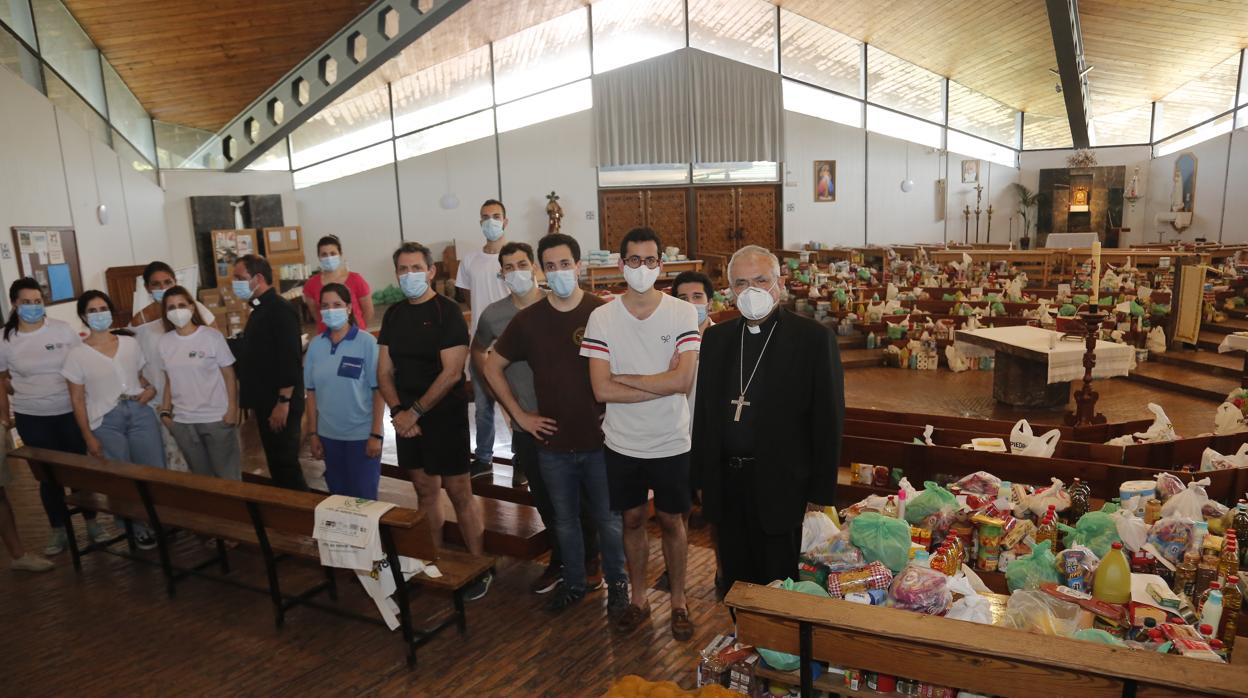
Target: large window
pixel 628 31
pixel 735 172
pixel 359 118
pixel 810 101
pixel 1187 139
pixel 643 175
pixel 561 101
pixel 905 87
pixel 980 115
pixel 1126 127
pixel 15 14
pixel 813 53
pixel 1041 131
pixel 451 133
pixel 60 94
pixel 352 163
pixel 127 115
pixel 442 92
pixel 68 49
pixel 552 53
pixel 1199 100
pixel 181 147
pixel 743 30
pixel 22 62
pixel 981 149
pixel 890 123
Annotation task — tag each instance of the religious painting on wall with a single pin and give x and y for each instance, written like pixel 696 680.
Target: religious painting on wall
pixel 825 180
pixel 970 171
pixel 1080 197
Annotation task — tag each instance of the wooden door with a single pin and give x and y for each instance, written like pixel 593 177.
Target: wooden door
pixel 667 211
pixel 122 282
pixel 621 211
pixel 716 210
pixel 757 209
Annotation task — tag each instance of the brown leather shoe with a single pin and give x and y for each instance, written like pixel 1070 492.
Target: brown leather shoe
pixel 632 618
pixel 682 627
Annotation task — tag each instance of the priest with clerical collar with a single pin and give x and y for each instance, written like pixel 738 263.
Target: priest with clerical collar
pixel 767 424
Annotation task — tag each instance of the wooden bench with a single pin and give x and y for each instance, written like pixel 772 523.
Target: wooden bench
pixel 278 522
pixel 1096 433
pixel 984 659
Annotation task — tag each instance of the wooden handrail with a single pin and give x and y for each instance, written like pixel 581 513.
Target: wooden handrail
pixel 982 658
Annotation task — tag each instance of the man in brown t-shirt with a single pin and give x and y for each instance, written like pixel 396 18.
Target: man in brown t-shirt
pixel 567 427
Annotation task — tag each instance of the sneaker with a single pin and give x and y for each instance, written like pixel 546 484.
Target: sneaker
pixel 479 588
pixel 97 533
pixel 145 540
pixel 549 580
pixel 56 543
pixel 617 599
pixel 682 627
pixel 564 597
pixel 632 618
pixel 31 563
pixel 481 468
pixel 593 575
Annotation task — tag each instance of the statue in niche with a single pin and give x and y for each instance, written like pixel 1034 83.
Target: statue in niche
pixel 1176 191
pixel 238 213
pixel 554 214
pixel 1183 195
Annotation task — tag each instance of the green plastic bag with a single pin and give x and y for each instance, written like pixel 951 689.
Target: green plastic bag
pixel 951 297
pixel 933 501
pixel 864 273
pixel 1030 571
pixel 1106 301
pixel 896 331
pixel 1095 635
pixel 881 538
pixel 1095 530
pixel 1067 310
pixel 1110 507
pixel 998 308
pixel 1159 309
pixel 780 660
pixel 1137 310
pixel 840 296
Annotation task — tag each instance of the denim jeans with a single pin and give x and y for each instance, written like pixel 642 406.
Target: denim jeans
pixel 483 408
pixel 349 470
pixel 130 433
pixel 567 475
pixel 60 433
pixel 525 460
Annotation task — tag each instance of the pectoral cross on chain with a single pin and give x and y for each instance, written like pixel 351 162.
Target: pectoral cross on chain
pixel 739 402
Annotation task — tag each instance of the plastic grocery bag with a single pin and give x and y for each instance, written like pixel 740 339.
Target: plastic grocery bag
pixel 1156 342
pixel 817 528
pixel 1096 529
pixel 1098 635
pixel 1189 503
pixel 881 538
pixel 780 660
pixel 1132 530
pixel 1212 460
pixel 933 508
pixel 837 553
pixel 972 607
pixel 1037 612
pixel 1054 495
pixel 1168 485
pixel 979 482
pixel 1228 420
pixel 1161 430
pixel 1170 537
pixel 1024 443
pixel 920 589
pixel 957 362
pixel 1033 569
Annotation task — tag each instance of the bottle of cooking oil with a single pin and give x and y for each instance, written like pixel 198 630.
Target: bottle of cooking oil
pixel 1112 582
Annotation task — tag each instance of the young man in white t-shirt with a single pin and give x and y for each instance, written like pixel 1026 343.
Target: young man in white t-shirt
pixel 630 344
pixel 480 283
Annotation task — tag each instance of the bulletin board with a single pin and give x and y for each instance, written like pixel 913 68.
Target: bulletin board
pixel 50 257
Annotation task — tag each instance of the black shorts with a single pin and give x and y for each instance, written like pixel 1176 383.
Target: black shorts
pixel 443 448
pixel 631 479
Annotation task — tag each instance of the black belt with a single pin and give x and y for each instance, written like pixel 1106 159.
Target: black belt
pixel 739 462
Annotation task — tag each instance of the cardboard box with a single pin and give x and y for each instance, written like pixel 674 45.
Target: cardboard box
pixel 285 239
pixel 211 297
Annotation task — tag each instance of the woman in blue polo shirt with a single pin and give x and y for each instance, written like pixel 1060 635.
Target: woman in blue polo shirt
pixel 340 374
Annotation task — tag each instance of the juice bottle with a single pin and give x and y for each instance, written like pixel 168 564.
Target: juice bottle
pixel 1232 601
pixel 1213 586
pixel 1112 582
pixel 1046 532
pixel 1211 611
pixel 1185 574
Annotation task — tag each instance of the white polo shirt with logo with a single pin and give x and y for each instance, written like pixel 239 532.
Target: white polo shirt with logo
pixel 657 428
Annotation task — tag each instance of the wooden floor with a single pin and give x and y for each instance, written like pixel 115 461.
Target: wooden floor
pixel 111 630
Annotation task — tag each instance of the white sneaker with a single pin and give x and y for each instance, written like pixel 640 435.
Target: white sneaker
pixel 56 543
pixel 97 533
pixel 31 563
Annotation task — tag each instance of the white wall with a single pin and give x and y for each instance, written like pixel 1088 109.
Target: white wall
pixel 55 174
pixel 180 185
pixel 1235 214
pixel 1207 215
pixel 894 216
pixel 837 222
pixel 469 172
pixel 996 180
pixel 362 211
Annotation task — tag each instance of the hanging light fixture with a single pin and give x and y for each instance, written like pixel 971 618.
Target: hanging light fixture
pixel 907 184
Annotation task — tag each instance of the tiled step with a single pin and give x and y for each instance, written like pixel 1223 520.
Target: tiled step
pixel 1205 361
pixel 1182 380
pixel 861 358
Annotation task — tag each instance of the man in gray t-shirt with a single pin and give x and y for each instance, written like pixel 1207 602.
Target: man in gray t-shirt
pixel 516 262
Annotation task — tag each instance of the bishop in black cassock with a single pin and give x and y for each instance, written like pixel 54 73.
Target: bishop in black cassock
pixel 768 416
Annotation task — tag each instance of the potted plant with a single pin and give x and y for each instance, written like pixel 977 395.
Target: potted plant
pixel 1027 203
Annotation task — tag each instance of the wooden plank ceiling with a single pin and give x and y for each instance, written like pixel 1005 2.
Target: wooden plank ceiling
pixel 200 63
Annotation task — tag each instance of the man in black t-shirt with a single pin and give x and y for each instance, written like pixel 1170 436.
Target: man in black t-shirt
pixel 423 346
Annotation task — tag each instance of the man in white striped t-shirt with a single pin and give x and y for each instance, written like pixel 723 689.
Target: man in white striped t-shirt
pixel 630 343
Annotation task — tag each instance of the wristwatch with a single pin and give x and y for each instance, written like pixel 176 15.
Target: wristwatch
pixel 397 409
pixel 377 436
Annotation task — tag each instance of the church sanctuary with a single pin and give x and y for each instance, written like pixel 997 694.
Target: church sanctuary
pixel 624 348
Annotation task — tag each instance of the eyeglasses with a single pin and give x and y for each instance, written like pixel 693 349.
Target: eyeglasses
pixel 635 261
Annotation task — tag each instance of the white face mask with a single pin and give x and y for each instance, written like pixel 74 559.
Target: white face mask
pixel 755 303
pixel 519 281
pixel 179 317
pixel 642 278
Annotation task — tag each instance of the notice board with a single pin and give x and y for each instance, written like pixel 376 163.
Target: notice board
pixel 50 257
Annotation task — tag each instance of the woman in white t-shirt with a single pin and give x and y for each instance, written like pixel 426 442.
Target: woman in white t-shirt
pixel 200 405
pixel 32 353
pixel 149 326
pixel 110 395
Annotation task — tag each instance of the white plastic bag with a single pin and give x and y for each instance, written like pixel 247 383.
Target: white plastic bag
pixel 957 362
pixel 1161 430
pixel 1131 529
pixel 971 607
pixel 1024 443
pixel 1228 420
pixel 1054 495
pixel 1212 460
pixel 817 528
pixel 1156 341
pixel 1189 503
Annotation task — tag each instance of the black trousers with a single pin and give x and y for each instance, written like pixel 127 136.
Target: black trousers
pixel 524 460
pixel 281 449
pixel 746 552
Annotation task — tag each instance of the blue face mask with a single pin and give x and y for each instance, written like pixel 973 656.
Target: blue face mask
pixel 334 318
pixel 331 263
pixel 492 228
pixel 158 295
pixel 100 320
pixel 701 313
pixel 562 282
pixel 242 289
pixel 30 313
pixel 414 284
